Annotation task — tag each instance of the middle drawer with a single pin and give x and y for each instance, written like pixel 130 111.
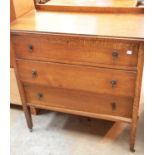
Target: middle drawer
pixel 76 77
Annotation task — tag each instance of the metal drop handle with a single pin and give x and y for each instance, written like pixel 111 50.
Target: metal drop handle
pixel 113 83
pixel 115 54
pixel 30 48
pixel 113 105
pixel 39 96
pixel 34 73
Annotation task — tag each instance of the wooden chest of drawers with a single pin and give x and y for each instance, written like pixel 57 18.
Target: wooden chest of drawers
pixel 88 75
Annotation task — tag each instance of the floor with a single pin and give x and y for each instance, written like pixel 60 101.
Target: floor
pixel 62 134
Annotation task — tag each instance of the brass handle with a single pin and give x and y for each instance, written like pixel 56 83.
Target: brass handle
pixel 39 96
pixel 113 83
pixel 115 54
pixel 34 73
pixel 30 48
pixel 113 105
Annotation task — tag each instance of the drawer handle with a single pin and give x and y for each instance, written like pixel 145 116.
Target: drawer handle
pixel 30 48
pixel 39 96
pixel 115 54
pixel 113 83
pixel 113 105
pixel 34 73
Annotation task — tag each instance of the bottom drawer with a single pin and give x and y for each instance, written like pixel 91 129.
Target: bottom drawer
pixel 79 101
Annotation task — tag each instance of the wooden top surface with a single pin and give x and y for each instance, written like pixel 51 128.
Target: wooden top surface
pixel 100 24
pixel 100 3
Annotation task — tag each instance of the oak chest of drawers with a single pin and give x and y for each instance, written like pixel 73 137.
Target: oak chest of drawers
pixel 89 75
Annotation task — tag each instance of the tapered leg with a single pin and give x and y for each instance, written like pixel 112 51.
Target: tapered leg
pixel 133 134
pixel 132 139
pixel 137 97
pixel 28 117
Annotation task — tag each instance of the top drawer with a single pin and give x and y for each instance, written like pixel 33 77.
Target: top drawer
pixel 77 50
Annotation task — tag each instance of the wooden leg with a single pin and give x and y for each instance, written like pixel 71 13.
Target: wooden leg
pixel 34 111
pixel 132 139
pixel 28 117
pixel 26 108
pixel 133 134
pixel 137 97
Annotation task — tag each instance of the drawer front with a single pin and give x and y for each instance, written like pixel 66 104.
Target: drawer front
pixel 79 101
pixel 81 50
pixel 75 77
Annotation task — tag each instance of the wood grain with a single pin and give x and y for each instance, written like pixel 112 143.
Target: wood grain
pixel 77 77
pixel 103 24
pixel 85 114
pixel 68 65
pixel 26 108
pixel 90 9
pixel 80 101
pixel 76 50
pixel 17 9
pixel 135 110
pixel 15 98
